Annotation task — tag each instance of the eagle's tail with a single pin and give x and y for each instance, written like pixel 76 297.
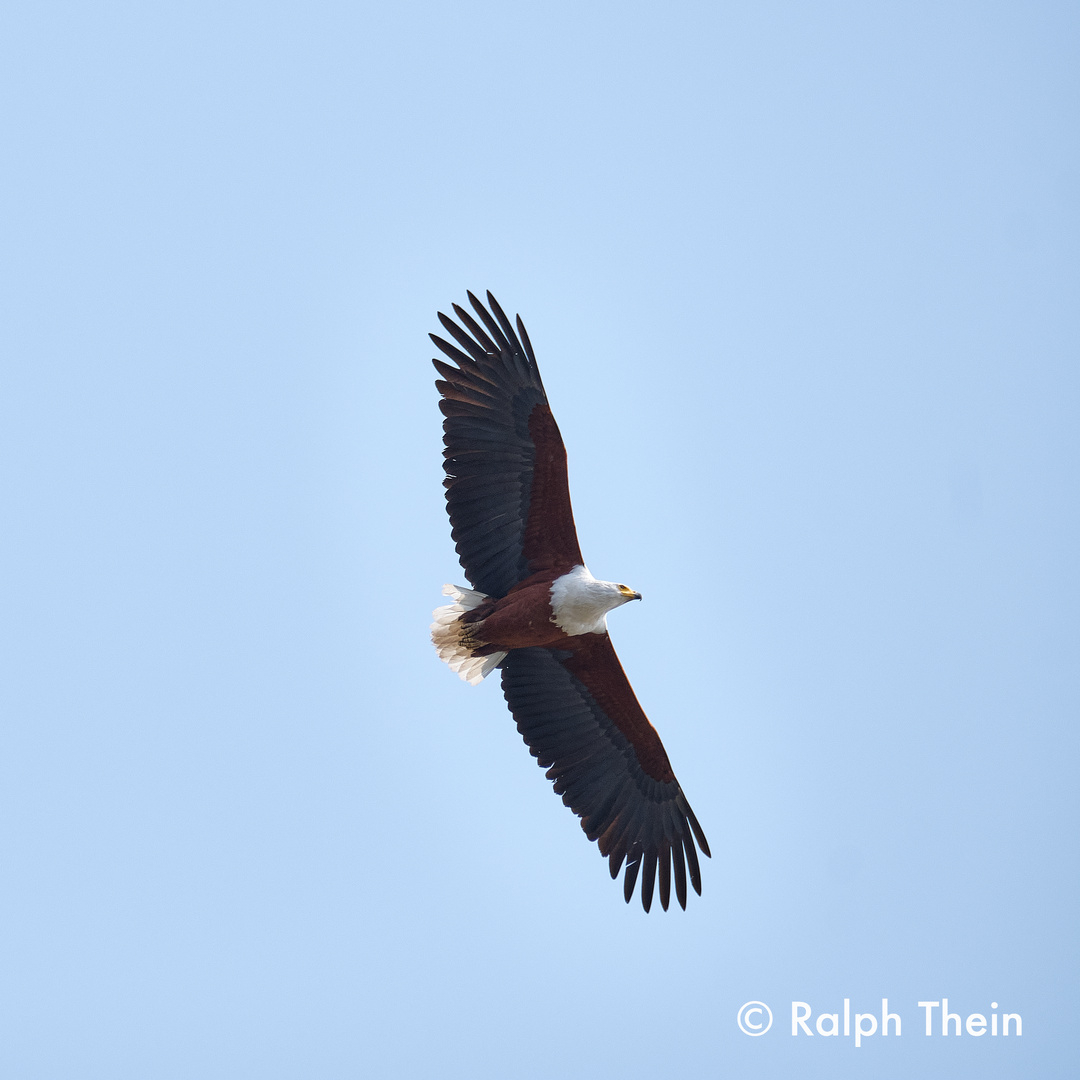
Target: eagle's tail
pixel 454 639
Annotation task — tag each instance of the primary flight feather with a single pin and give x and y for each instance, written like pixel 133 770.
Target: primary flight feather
pixel 536 612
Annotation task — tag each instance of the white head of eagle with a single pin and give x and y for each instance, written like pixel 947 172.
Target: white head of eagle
pixel 580 602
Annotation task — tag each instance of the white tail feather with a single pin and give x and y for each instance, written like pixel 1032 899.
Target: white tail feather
pixel 447 631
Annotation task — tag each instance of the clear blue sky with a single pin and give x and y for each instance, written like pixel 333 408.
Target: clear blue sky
pixel 802 281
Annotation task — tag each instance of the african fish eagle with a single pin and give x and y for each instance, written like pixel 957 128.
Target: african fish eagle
pixel 537 613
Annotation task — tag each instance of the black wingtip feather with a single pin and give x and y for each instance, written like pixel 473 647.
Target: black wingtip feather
pixel 680 873
pixel 648 879
pixel 504 322
pixel 692 863
pixel 698 833
pixel 665 876
pixel 523 333
pixel 630 880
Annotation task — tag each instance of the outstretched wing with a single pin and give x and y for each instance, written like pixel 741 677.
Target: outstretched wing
pixel 506 489
pixel 581 720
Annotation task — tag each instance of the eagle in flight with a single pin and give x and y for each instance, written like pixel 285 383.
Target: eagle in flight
pixel 536 612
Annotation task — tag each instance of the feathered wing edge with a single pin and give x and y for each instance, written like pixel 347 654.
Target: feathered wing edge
pixel 634 818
